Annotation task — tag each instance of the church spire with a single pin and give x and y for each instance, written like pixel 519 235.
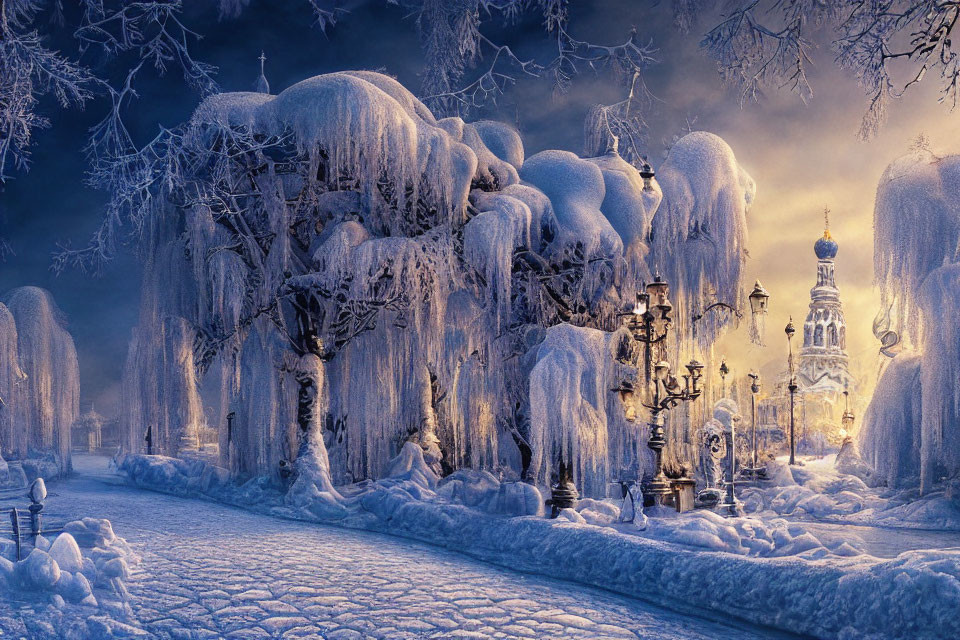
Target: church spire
pixel 826 247
pixel 262 85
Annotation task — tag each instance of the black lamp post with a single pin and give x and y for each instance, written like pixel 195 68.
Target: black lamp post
pixel 792 387
pixel 724 370
pixel 667 394
pixel 754 390
pixel 847 419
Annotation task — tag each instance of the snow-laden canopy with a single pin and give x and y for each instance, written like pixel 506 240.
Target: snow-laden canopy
pixel 699 236
pixel 916 230
pixel 422 261
pixel 39 376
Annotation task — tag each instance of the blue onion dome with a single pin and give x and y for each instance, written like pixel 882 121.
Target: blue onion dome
pixel 826 247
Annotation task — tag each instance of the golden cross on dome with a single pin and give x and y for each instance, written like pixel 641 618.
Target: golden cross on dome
pixel 826 222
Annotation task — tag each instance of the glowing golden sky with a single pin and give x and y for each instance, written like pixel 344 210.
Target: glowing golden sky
pixel 802 159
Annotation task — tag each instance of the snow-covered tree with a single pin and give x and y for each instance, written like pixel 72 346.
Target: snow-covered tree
pixel 356 274
pixel 913 415
pixel 40 377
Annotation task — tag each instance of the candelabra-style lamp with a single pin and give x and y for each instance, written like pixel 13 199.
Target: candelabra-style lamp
pixel 667 394
pixel 650 321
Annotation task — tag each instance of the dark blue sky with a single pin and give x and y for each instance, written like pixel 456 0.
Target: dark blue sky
pixel 788 148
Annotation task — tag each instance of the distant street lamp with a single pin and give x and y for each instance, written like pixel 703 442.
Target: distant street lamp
pixel 792 386
pixel 754 390
pixel 724 370
pixel 759 298
pixel 847 419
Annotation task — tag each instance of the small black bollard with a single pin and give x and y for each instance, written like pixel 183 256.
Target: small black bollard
pixel 15 522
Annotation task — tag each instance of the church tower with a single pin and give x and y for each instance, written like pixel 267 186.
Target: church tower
pixel 823 365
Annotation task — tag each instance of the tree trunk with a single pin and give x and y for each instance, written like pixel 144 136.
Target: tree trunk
pixel 313 487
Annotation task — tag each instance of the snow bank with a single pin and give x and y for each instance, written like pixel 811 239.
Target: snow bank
pixel 825 493
pixel 82 575
pixel 913 595
pixel 747 536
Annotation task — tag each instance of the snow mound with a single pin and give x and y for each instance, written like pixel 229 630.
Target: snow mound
pixel 626 204
pixel 84 576
pixel 410 465
pixel 576 190
pixel 743 536
pixel 480 490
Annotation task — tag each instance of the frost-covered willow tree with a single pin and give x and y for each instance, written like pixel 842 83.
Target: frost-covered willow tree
pixel 354 274
pixel 39 377
pixel 698 243
pixel 917 268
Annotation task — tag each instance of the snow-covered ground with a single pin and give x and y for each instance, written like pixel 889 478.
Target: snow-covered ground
pixel 816 491
pixel 211 571
pixel 762 569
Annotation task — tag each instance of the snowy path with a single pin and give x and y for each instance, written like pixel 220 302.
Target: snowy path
pixel 211 571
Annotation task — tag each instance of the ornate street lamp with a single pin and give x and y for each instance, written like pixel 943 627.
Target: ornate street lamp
pixel 792 386
pixel 667 394
pixel 759 301
pixel 650 321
